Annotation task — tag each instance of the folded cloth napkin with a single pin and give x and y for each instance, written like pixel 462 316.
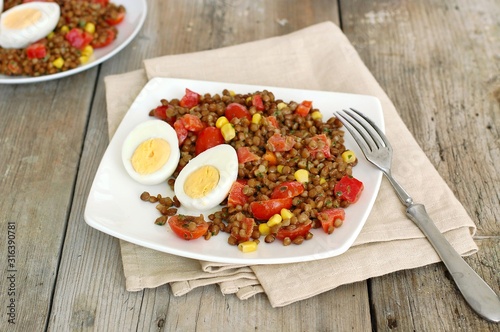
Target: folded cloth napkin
pixel 319 57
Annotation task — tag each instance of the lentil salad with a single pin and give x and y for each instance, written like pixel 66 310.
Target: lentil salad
pixel 294 170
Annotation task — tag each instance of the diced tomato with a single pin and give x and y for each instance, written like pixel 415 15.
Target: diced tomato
pixel 116 19
pixel 180 130
pixel 288 189
pixel 79 38
pixel 246 224
pixel 245 155
pixel 208 138
pixel 348 189
pixel 300 230
pixel 101 2
pixel 190 99
pixel 304 108
pixel 263 210
pixel 109 37
pixel 236 195
pixel 271 158
pixel 36 51
pixel 192 122
pixel 235 110
pixel 257 102
pixel 161 113
pixel 323 144
pixel 328 217
pixel 278 143
pixel 273 121
pixel 180 226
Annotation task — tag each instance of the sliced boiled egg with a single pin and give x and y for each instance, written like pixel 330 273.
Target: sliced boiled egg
pixel 24 24
pixel 150 153
pixel 206 180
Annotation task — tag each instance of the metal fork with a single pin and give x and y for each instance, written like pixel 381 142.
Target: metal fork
pixel 378 151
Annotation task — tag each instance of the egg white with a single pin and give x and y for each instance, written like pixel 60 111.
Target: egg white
pixel 143 132
pixel 223 157
pixel 20 38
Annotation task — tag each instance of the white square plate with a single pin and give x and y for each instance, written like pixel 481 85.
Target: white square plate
pixel 114 206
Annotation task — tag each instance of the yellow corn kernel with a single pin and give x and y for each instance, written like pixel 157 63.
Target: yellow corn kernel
pixel 247 246
pixel 248 100
pixel 50 35
pixel 221 121
pixel 232 93
pixel 256 118
pixel 90 27
pixel 322 181
pixel 280 106
pixel 316 115
pixel 274 220
pixel 286 214
pixel 228 132
pixel 279 168
pixel 58 63
pixel 348 156
pixel 301 175
pixel 88 51
pixel 64 29
pixel 264 229
pixel 84 59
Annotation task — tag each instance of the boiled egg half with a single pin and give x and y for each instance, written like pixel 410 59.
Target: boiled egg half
pixel 26 23
pixel 150 153
pixel 206 180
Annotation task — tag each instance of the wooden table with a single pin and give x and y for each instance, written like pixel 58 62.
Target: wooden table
pixel 438 61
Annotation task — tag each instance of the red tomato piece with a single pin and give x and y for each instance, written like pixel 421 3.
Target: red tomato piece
pixel 272 120
pixel 109 37
pixel 180 130
pixel 36 51
pixel 263 210
pixel 117 19
pixel 300 230
pixel 288 189
pixel 328 217
pixel 161 113
pixel 271 158
pixel 304 108
pixel 190 99
pixel 180 226
pixel 78 38
pixel 208 138
pixel 323 144
pixel 236 195
pixel 278 143
pixel 245 155
pixel 235 110
pixel 348 189
pixel 101 2
pixel 246 224
pixel 192 122
pixel 257 102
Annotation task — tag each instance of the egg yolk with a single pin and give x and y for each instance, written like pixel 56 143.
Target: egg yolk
pixel 201 182
pixel 21 19
pixel 150 156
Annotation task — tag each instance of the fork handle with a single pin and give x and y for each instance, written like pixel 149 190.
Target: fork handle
pixel 474 289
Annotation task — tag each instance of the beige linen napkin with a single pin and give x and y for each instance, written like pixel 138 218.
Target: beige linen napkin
pixel 319 58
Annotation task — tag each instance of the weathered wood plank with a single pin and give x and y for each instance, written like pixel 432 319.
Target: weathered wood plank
pixel 438 61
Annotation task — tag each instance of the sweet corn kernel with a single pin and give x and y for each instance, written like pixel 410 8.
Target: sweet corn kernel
pixel 274 220
pixel 90 27
pixel 280 106
pixel 58 63
pixel 64 29
pixel 84 59
pixel 248 100
pixel 279 168
pixel 221 121
pixel 88 51
pixel 348 156
pixel 247 246
pixel 264 229
pixel 286 214
pixel 301 175
pixel 228 132
pixel 322 181
pixel 316 115
pixel 232 93
pixel 256 118
pixel 50 35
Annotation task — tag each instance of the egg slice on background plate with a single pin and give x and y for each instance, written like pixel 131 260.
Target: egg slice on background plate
pixel 24 24
pixel 206 180
pixel 150 153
